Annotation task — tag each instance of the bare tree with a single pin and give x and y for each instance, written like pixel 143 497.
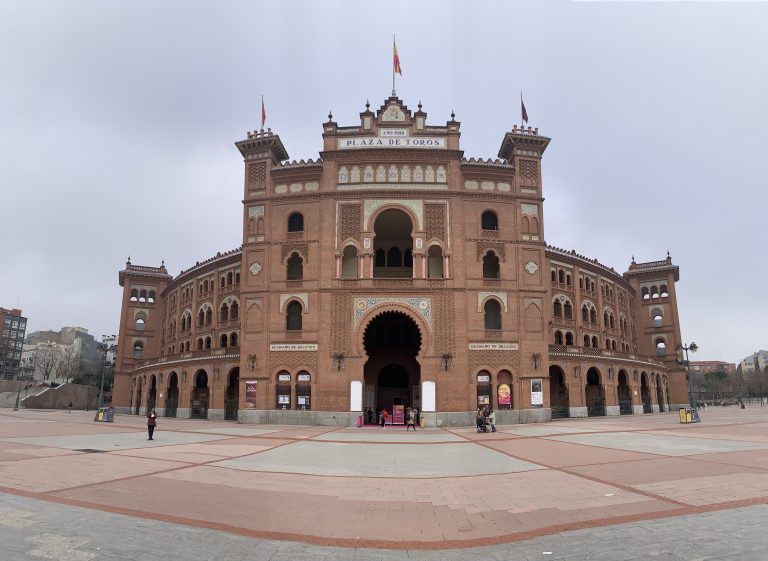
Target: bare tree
pixel 46 359
pixel 69 367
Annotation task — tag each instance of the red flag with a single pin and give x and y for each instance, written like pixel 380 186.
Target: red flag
pixel 522 108
pixel 396 60
pixel 263 112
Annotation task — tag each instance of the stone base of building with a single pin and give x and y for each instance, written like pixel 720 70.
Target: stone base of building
pixel 287 417
pixel 677 406
pixel 216 414
pixel 637 409
pixel 123 411
pixel 577 412
pixel 183 413
pixel 654 408
pixel 612 410
pixel 160 412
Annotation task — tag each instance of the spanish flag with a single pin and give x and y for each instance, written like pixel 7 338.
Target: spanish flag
pixel 396 60
pixel 263 112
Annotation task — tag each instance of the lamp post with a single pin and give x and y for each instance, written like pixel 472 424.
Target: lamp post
pixel 693 347
pixel 103 349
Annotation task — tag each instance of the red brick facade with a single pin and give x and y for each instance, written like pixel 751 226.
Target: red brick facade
pixel 394 271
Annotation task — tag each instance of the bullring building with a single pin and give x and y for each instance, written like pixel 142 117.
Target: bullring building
pixel 394 272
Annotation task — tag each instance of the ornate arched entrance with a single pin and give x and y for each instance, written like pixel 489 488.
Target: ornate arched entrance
pixel 659 394
pixel 624 394
pixel 152 400
pixel 392 372
pixel 594 394
pixel 172 401
pixel 232 395
pixel 558 393
pixel 645 393
pixel 200 395
pixel 139 389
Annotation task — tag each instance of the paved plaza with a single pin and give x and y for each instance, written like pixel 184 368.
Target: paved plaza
pixel 632 487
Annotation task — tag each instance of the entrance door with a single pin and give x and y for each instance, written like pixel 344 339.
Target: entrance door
pixel 392 373
pixel 200 395
pixel 172 401
pixel 624 394
pixel 232 396
pixel 594 394
pixel 558 393
pixel 645 394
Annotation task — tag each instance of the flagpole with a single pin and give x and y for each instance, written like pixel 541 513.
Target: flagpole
pixel 521 108
pixel 393 65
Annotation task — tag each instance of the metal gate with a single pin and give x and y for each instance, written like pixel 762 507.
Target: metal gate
pixel 171 406
pixel 646 400
pixel 625 405
pixel 199 403
pixel 558 402
pixel 595 401
pixel 230 408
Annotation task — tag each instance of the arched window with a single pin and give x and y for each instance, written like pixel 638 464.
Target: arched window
pixel 234 311
pixel 586 340
pixel 554 276
pixel 492 314
pixel 561 276
pixel 237 278
pixel 294 267
pixel 151 297
pixel 568 280
pixel 293 316
pixel 613 345
pixel 138 349
pixel 233 340
pixel 186 347
pixel 223 282
pixel 394 257
pixel 205 286
pixel 435 262
pixel 207 342
pixel 661 346
pixel 489 220
pixel 229 279
pixel 349 266
pixel 134 295
pixel 568 311
pixel 181 347
pixel 408 257
pixel 645 294
pixel 657 317
pixel 558 337
pixel 199 344
pixel 140 322
pixel 584 314
pixel 664 291
pixel 209 316
pixel 608 344
pixel 593 316
pixel 224 312
pixel 654 292
pixel 381 258
pixel 223 341
pixel 490 266
pixel 594 342
pixel 568 338
pixel 558 309
pixel 200 318
pixel 296 222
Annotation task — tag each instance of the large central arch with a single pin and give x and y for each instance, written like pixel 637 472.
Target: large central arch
pixel 392 373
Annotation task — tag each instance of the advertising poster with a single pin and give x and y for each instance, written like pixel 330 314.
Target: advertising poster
pixel 250 394
pixel 505 395
pixel 537 395
pixel 398 414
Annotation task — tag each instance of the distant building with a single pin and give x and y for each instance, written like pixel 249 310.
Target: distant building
pixel 109 342
pixel 704 366
pixel 11 342
pixel 755 361
pixel 75 341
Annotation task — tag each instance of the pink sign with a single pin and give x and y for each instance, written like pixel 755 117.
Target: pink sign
pixel 250 395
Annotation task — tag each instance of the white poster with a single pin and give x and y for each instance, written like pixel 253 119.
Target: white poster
pixel 537 395
pixel 355 396
pixel 428 397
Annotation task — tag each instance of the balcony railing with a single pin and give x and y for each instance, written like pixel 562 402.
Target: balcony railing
pixel 571 350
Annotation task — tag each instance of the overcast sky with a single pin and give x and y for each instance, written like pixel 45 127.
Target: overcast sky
pixel 117 123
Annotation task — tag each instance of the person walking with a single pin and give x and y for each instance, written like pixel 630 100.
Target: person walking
pixel 384 416
pixel 69 407
pixel 411 420
pixel 492 419
pixel 416 417
pixel 151 423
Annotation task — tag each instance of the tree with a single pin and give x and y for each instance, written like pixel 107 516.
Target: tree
pixel 69 366
pixel 46 359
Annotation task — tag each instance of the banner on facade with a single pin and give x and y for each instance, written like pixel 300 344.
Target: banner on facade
pixel 537 395
pixel 504 395
pixel 250 394
pixel 398 414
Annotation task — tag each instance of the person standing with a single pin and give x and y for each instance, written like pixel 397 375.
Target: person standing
pixel 384 416
pixel 69 407
pixel 411 420
pixel 151 423
pixel 492 419
pixel 416 417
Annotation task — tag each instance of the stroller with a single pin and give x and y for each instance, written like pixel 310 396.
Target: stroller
pixel 483 425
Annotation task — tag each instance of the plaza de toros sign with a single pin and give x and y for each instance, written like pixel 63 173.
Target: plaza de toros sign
pixel 393 138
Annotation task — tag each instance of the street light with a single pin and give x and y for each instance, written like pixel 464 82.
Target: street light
pixel 103 348
pixel 693 347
